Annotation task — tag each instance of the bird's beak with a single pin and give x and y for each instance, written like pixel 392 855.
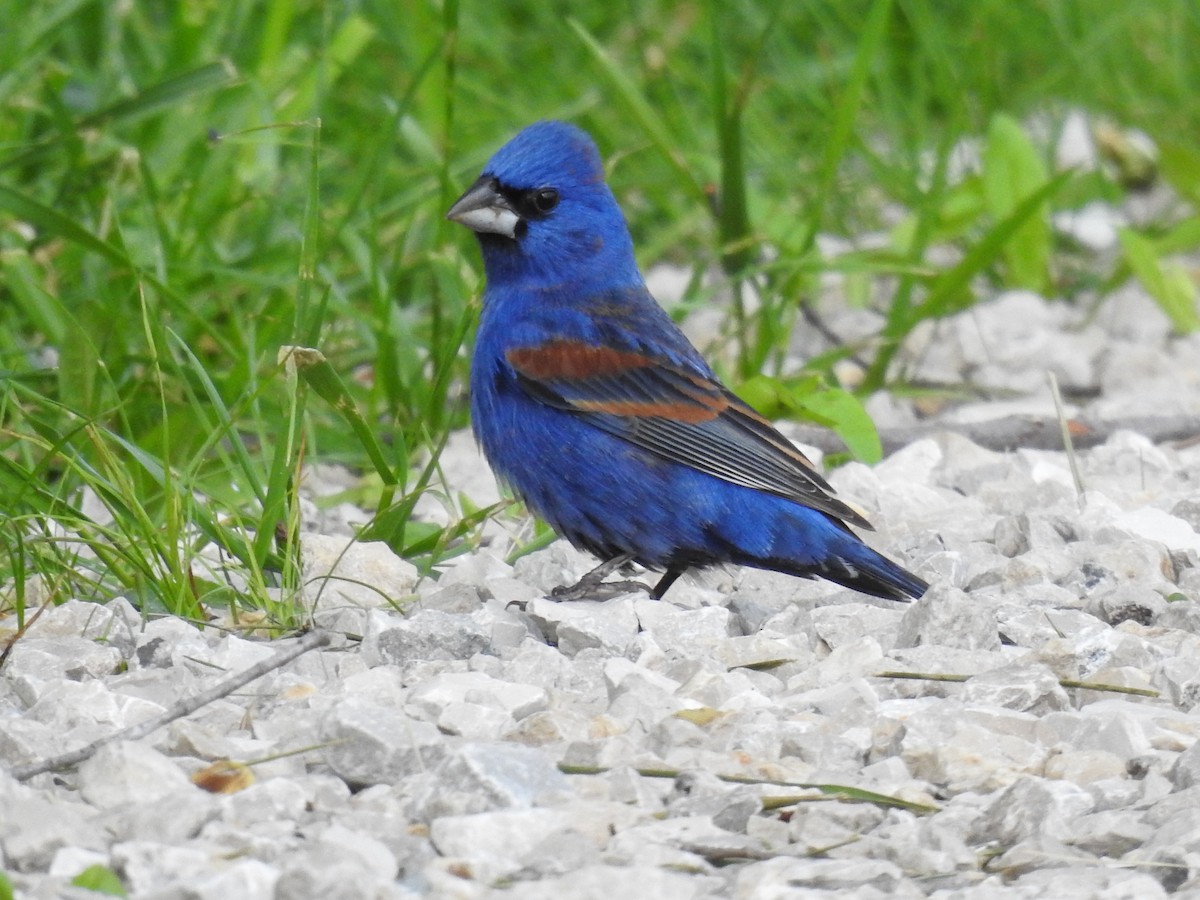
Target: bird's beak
pixel 484 209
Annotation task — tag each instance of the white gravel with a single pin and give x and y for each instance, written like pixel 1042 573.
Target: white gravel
pixel 443 730
pixel 488 742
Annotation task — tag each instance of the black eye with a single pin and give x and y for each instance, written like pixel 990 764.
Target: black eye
pixel 545 199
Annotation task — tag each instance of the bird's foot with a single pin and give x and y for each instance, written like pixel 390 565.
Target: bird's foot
pixel 592 586
pixel 588 588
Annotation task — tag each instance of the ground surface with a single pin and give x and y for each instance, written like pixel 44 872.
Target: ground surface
pixel 444 733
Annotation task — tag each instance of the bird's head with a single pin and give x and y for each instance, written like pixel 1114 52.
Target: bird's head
pixel 544 215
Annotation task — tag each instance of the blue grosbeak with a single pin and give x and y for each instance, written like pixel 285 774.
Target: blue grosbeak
pixel 597 410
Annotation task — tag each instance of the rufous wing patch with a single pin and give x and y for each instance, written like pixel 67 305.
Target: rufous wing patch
pixel 678 396
pixel 574 360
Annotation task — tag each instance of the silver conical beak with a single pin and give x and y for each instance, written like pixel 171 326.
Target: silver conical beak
pixel 484 209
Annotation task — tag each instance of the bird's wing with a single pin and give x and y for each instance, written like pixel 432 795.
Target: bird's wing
pixel 680 415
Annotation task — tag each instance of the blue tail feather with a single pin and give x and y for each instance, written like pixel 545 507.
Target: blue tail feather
pixel 819 545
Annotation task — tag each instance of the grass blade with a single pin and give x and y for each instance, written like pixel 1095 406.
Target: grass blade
pixel 949 293
pixel 50 221
pixel 841 131
pixel 318 374
pixel 643 113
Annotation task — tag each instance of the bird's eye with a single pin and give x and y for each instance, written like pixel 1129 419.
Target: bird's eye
pixel 545 199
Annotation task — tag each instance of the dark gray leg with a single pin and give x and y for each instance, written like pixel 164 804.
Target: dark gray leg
pixel 592 586
pixel 664 583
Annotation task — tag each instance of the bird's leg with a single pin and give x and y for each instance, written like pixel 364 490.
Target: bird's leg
pixel 664 583
pixel 592 586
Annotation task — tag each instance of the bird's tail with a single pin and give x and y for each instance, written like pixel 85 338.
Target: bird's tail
pixel 857 566
pixel 826 548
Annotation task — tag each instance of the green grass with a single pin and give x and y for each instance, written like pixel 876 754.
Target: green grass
pixel 185 189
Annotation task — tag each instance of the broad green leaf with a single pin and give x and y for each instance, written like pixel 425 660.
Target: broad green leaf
pixel 1183 237
pixel 1012 171
pixel 848 419
pixel 101 880
pixel 1180 166
pixel 1165 280
pixel 949 293
pixel 810 399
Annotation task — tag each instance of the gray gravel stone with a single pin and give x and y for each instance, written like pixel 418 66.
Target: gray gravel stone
pixel 1033 807
pixel 34 661
pixel 35 826
pixel 1023 686
pixel 761 651
pixel 431 697
pixel 128 772
pixel 115 623
pixel 783 876
pixel 499 844
pixel 276 800
pixel 25 741
pixel 585 624
pixel 1127 603
pixel 1174 846
pixel 700 794
pixel 1186 771
pixel 978 749
pixel 362 574
pixel 1182 681
pixel 683 842
pixel 1083 767
pixel 368 744
pixel 249 878
pixel 453 598
pixel 1109 833
pixel 691 632
pixel 428 634
pixel 148 867
pixel 604 882
pixel 948 617
pixel 838 625
pixel 480 776
pixel 440 735
pixel 83 708
pixel 174 818
pixel 1087 882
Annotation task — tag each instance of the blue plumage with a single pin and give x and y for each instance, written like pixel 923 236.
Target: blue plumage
pixel 597 410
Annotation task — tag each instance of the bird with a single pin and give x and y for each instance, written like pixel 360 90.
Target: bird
pixel 596 410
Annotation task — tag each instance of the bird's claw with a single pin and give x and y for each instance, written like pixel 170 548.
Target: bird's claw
pixel 592 585
pixel 597 589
